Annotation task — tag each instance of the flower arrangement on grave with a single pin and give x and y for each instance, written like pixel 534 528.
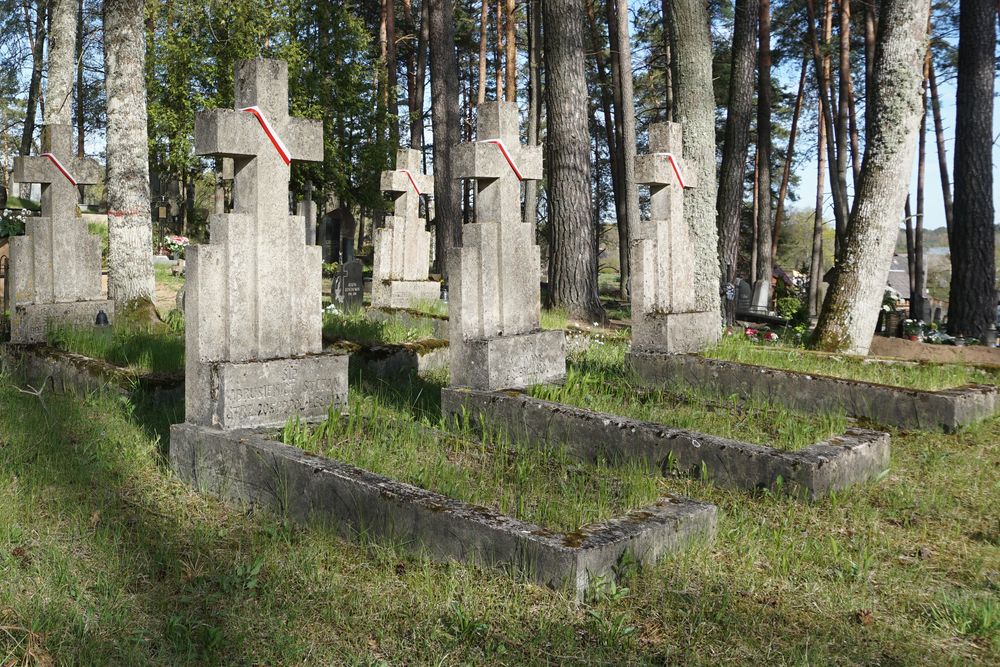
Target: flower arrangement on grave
pixel 175 243
pixel 12 221
pixel 914 329
pixel 760 335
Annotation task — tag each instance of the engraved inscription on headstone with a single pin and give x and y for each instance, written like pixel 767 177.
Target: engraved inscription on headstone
pixel 664 313
pixel 57 261
pixel 348 286
pixel 494 288
pixel 254 294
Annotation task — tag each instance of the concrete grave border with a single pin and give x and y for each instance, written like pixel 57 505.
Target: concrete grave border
pixel 410 317
pixel 840 462
pixel 247 467
pixel 387 359
pixel 946 409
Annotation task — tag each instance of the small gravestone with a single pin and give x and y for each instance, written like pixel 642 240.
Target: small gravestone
pixel 253 299
pixel 665 317
pixel 495 338
pixel 56 266
pixel 744 296
pixel 307 210
pixel 403 246
pixel 348 287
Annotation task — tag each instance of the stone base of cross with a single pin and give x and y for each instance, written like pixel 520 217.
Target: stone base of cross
pixel 253 307
pixel 495 337
pixel 664 314
pixel 403 245
pixel 55 268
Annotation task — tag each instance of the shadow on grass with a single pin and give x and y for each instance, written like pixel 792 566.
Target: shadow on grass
pixel 410 393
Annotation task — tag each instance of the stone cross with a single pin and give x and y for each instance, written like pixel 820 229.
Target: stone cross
pixel 268 306
pixel 58 260
pixel 494 328
pixel 664 311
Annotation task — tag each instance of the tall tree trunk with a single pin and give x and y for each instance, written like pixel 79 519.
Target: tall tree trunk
pixel 499 71
pixel 534 101
pixel 919 268
pixel 484 23
pixel 618 161
pixel 392 76
pixel 573 261
pixel 511 44
pixel 911 256
pixel 445 122
pixel 754 246
pixel 942 154
pixel 729 203
pixel 786 174
pixel 844 96
pixel 627 147
pixel 973 299
pixel 417 113
pixel 816 263
pixel 765 261
pixel 130 228
pixel 869 57
pixel 695 108
pixel 35 83
pixel 668 66
pixel 852 304
pixel 62 62
pixel 80 95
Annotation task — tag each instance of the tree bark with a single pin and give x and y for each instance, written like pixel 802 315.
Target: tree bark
pixel 80 95
pixel 484 22
pixel 942 154
pixel 499 71
pixel 765 262
pixel 973 299
pixel 852 304
pixel 695 108
pixel 573 271
pixel 392 75
pixel 130 229
pixel 35 83
pixel 786 174
pixel 869 57
pixel 628 145
pixel 62 62
pixel 618 161
pixel 417 116
pixel 729 203
pixel 816 263
pixel 668 65
pixel 919 267
pixel 844 95
pixel 445 122
pixel 534 102
pixel 511 44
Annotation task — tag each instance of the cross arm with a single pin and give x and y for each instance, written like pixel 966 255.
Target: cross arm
pixel 87 171
pixel 226 132
pixel 398 181
pixel 485 160
pixel 304 139
pixel 34 169
pixel 656 169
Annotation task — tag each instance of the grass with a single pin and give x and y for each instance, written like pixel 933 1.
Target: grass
pixel 914 375
pixel 547 488
pixel 598 379
pixel 435 307
pixel 165 277
pixel 140 349
pixel 106 559
pixel 355 327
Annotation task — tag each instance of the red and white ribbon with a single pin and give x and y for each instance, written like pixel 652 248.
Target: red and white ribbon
pixel 503 149
pixel 271 134
pixel 677 168
pixel 413 182
pixel 54 160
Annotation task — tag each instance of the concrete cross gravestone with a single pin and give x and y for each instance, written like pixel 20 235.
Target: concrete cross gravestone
pixel 254 294
pixel 494 331
pixel 403 245
pixel 56 266
pixel 664 314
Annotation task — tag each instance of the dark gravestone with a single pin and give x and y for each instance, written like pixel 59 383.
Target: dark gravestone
pixel 348 286
pixel 744 296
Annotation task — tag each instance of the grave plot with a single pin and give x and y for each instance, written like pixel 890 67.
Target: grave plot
pixel 885 392
pixel 665 323
pixel 55 268
pixel 540 514
pixel 244 379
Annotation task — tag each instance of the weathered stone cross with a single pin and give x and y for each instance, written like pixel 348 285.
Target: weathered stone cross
pixel 62 260
pixel 664 311
pixel 262 244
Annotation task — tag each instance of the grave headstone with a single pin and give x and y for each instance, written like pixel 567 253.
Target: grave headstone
pixel 495 338
pixel 253 299
pixel 761 301
pixel 348 286
pixel 56 266
pixel 744 296
pixel 665 317
pixel 403 246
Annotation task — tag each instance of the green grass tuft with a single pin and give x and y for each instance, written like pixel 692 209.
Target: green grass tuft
pixel 142 349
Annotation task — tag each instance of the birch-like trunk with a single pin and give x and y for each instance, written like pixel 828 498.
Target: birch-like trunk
pixel 130 229
pixel 852 303
pixel 695 108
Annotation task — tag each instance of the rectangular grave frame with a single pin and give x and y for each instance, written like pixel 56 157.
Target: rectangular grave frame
pixel 945 409
pixel 246 467
pixel 813 472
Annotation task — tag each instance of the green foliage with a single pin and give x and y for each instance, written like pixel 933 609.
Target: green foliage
pixel 143 349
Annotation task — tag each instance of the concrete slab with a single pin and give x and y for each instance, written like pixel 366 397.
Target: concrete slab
pixel 947 409
pixel 247 468
pixel 30 322
pixel 851 458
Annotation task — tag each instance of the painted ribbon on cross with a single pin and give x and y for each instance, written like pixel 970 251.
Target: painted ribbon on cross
pixel 503 149
pixel 676 166
pixel 413 182
pixel 271 134
pixel 54 160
